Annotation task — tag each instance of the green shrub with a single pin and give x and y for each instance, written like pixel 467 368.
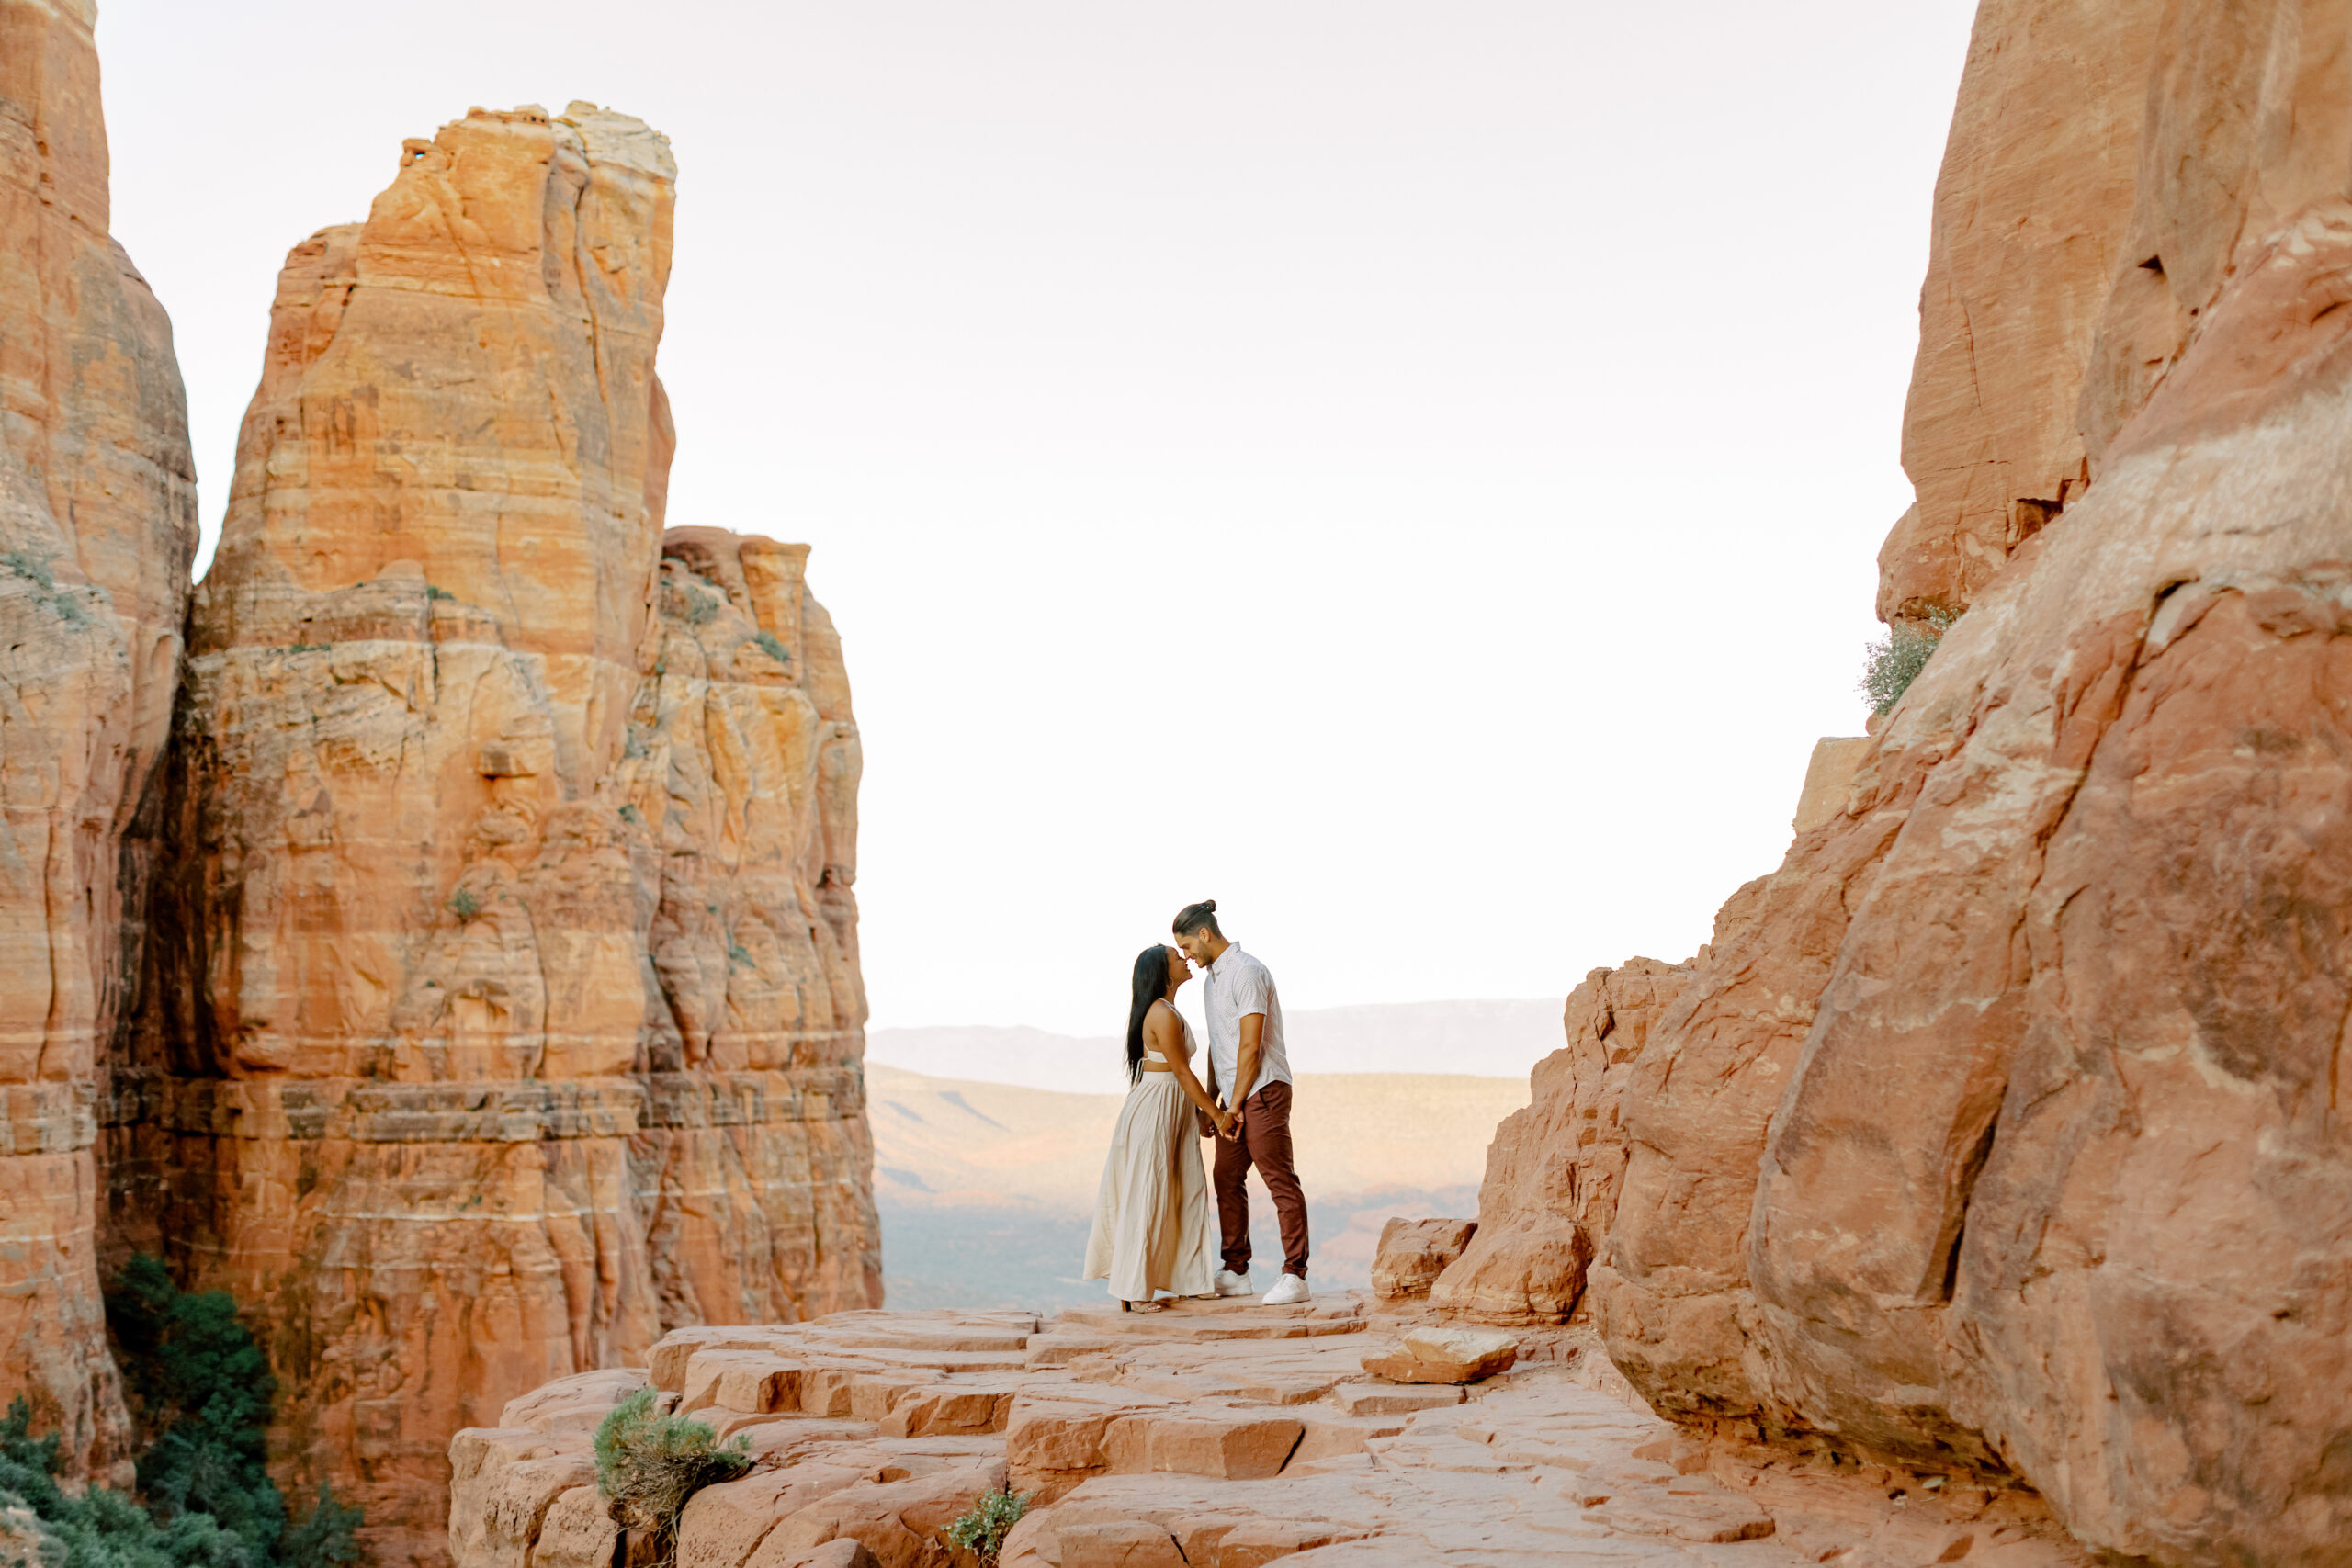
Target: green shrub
pixel 699 608
pixel 464 904
pixel 37 572
pixel 200 1385
pixel 773 646
pixel 25 564
pixel 433 594
pixel 648 1464
pixel 1892 662
pixel 981 1532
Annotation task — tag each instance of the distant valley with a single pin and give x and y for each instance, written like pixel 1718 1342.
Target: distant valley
pixel 986 1189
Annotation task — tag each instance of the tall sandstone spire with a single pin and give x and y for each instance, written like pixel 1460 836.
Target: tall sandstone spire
pixel 505 1012
pixel 97 523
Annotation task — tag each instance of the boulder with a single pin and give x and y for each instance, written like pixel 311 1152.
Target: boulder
pixel 1435 1354
pixel 1413 1253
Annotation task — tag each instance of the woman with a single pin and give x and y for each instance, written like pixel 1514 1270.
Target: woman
pixel 1153 1230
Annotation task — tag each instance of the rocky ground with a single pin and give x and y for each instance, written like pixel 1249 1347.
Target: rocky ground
pixel 1216 1433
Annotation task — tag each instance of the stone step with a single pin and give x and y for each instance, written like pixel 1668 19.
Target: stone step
pixel 1200 1321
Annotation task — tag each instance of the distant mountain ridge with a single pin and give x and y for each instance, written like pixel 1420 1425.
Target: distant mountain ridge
pixel 1482 1039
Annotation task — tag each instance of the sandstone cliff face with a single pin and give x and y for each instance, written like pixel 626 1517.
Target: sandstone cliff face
pixel 97 523
pixel 2003 1126
pixel 1550 1195
pixel 504 1011
pixel 2027 253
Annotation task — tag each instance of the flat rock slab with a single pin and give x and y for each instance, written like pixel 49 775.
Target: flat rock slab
pixel 1201 1320
pixel 1394 1399
pixel 1163 1448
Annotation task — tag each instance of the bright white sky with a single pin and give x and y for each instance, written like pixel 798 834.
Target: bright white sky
pixel 1410 472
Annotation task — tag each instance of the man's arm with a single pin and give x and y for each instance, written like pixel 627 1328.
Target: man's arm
pixel 1245 1067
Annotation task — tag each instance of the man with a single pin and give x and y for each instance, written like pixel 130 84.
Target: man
pixel 1247 1058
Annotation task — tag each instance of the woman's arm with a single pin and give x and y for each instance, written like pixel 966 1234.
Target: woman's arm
pixel 1162 1029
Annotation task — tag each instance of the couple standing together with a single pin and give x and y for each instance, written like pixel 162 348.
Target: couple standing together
pixel 1151 1220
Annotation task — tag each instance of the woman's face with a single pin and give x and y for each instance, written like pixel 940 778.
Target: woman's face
pixel 1179 971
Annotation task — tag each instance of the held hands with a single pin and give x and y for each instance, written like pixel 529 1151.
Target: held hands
pixel 1228 1127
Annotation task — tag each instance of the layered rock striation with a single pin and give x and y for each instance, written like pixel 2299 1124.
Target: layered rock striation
pixel 97 525
pixel 504 1011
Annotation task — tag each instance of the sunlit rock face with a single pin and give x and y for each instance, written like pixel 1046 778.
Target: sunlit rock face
pixel 506 1009
pixel 1553 1168
pixel 97 523
pixel 2004 1126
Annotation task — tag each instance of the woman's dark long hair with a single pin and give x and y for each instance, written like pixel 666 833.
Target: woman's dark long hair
pixel 1150 986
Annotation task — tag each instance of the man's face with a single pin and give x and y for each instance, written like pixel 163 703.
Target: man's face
pixel 1195 944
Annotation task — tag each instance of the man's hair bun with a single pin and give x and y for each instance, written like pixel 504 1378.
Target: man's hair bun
pixel 1198 916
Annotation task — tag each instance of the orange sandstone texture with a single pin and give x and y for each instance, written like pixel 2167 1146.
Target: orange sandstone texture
pixel 2003 1127
pixel 97 523
pixel 1553 1169
pixel 510 1012
pixel 2027 247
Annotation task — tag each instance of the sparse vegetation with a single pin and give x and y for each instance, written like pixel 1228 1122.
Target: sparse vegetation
pixel 433 593
pixel 464 904
pixel 630 815
pixel 649 1463
pixel 981 1531
pixel 27 565
pixel 1892 662
pixel 773 646
pixel 200 1385
pixel 312 647
pixel 36 571
pixel 701 608
pixel 738 953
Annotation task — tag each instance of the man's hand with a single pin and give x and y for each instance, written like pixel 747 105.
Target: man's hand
pixel 1233 1131
pixel 1245 1078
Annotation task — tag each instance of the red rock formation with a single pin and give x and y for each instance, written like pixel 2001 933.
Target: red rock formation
pixel 1215 1432
pixel 511 1013
pixel 2027 253
pixel 1552 1170
pixel 2001 1128
pixel 97 523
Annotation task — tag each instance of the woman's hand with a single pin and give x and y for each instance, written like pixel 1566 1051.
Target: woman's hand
pixel 1223 1120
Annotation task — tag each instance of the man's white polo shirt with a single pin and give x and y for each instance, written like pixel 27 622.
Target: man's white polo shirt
pixel 1237 986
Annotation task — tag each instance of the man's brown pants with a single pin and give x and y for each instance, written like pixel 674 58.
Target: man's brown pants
pixel 1264 1142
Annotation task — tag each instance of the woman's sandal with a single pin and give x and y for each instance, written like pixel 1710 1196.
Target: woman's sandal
pixel 1143 1306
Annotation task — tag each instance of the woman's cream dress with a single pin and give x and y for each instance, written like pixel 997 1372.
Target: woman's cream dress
pixel 1153 1229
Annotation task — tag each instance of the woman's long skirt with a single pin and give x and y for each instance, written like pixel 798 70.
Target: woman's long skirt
pixel 1153 1228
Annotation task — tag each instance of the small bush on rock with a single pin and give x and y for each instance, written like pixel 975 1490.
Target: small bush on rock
pixel 649 1463
pixel 981 1532
pixel 1894 660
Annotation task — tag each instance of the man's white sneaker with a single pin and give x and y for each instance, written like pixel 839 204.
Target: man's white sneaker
pixel 1229 1283
pixel 1288 1291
